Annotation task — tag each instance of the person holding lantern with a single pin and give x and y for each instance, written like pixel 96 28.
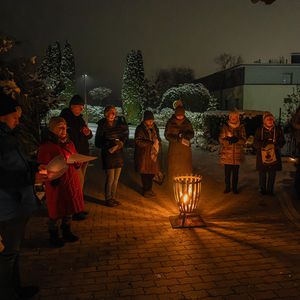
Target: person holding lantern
pixel 147 143
pixel 268 140
pixel 178 132
pixel 232 137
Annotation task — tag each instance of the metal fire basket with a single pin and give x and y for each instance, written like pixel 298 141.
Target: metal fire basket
pixel 187 190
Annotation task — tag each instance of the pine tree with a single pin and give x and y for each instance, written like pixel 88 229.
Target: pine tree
pixel 132 88
pixel 68 72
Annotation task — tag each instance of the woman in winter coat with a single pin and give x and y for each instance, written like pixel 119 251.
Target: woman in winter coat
pixel 110 138
pixel 233 138
pixel 178 132
pixel 64 195
pixel 268 134
pixel 147 143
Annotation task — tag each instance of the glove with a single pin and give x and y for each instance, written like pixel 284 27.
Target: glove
pixel 268 142
pixel 233 139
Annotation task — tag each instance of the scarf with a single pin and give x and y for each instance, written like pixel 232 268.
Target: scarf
pixel 237 124
pixel 152 136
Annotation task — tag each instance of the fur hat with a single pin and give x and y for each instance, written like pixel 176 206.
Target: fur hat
pixel 107 109
pixel 179 111
pixel 54 121
pixel 76 100
pixel 234 112
pixel 148 115
pixel 267 114
pixel 8 105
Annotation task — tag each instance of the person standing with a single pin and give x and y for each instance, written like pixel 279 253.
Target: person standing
pixel 147 143
pixel 232 137
pixel 268 139
pixel 178 132
pixel 79 134
pixel 296 126
pixel 17 200
pixel 110 138
pixel 64 194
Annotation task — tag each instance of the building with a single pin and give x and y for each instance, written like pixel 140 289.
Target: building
pixel 256 86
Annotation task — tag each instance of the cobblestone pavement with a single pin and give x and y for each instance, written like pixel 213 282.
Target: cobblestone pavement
pixel 249 248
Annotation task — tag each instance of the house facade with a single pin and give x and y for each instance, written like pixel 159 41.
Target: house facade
pixel 254 86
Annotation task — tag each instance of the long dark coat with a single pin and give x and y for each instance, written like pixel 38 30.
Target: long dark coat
pixel 179 155
pixel 75 124
pixel 105 139
pixel 64 197
pixel 143 162
pixel 260 142
pixel 232 154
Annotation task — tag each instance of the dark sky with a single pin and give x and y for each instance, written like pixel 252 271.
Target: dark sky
pixel 187 33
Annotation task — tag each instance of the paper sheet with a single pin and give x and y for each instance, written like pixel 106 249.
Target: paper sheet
pixel 76 157
pixel 56 167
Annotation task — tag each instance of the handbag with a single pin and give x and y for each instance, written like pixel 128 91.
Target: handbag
pixel 160 176
pixel 268 155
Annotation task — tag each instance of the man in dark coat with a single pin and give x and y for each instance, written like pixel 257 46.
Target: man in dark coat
pixel 17 200
pixel 178 132
pixel 268 134
pixel 79 134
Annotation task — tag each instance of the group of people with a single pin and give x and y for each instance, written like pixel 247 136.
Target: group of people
pixel 268 141
pixel 68 134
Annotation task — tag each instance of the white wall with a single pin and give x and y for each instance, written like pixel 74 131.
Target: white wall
pixel 266 97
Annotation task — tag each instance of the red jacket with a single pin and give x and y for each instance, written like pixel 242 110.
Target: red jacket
pixel 63 197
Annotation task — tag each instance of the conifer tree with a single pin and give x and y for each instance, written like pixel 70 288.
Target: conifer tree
pixel 68 72
pixel 133 90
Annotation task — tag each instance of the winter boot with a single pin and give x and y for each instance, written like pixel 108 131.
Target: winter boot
pixel 234 189
pixel 55 240
pixel 227 189
pixel 67 234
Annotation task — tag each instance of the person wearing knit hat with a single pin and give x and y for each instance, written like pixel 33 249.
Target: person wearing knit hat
pixel 79 134
pixel 64 194
pixel 110 138
pixel 17 200
pixel 147 144
pixel 232 137
pixel 178 132
pixel 268 139
pixel 55 121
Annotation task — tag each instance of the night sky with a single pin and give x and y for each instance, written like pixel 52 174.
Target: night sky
pixel 188 33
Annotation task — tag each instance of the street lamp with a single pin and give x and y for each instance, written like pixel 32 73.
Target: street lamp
pixel 85 100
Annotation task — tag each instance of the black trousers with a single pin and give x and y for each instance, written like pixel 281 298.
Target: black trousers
pixel 12 233
pixel 234 170
pixel 147 181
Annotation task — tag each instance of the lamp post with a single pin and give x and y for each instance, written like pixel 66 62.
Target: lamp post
pixel 85 100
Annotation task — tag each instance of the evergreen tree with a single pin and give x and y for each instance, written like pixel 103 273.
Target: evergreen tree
pixel 132 94
pixel 195 97
pixel 68 72
pixel 18 80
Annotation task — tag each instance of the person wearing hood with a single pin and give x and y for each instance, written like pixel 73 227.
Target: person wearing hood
pixel 17 201
pixel 110 138
pixel 178 132
pixel 64 194
pixel 232 137
pixel 147 143
pixel 268 139
pixel 79 134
